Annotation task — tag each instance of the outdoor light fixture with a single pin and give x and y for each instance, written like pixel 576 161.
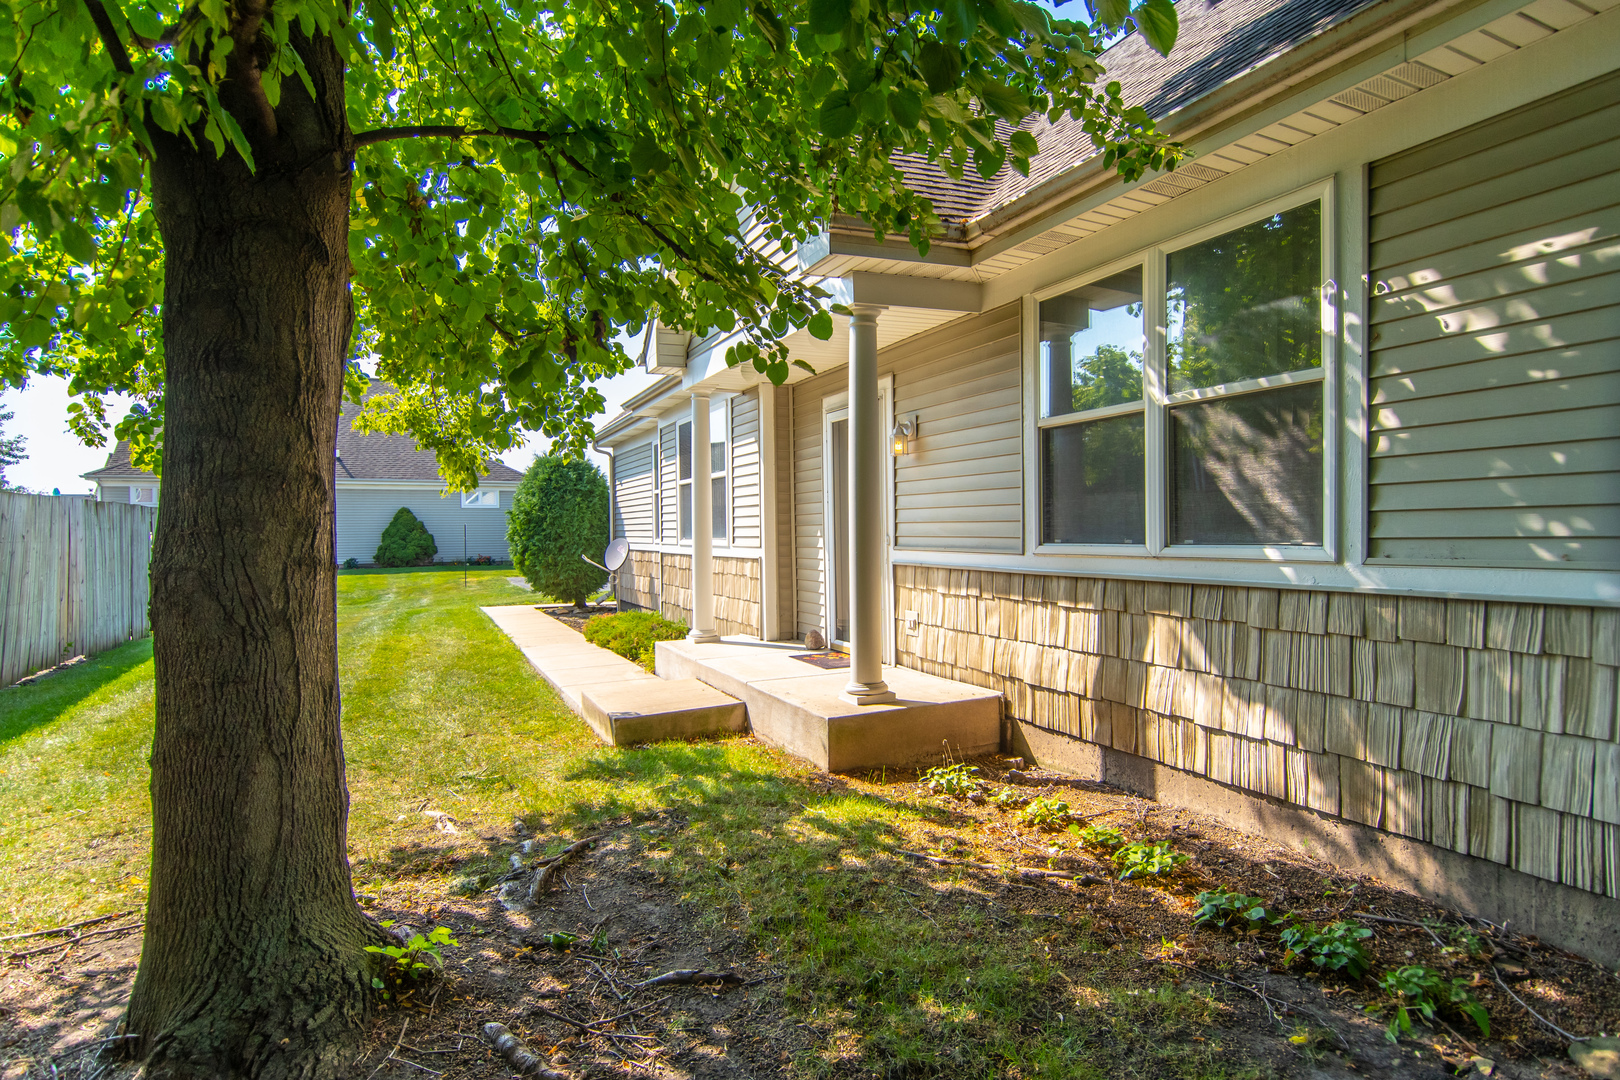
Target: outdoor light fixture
pixel 901 436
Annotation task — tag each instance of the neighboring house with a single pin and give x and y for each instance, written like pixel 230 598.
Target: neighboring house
pixel 1286 484
pixel 375 476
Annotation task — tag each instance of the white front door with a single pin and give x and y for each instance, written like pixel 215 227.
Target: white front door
pixel 836 588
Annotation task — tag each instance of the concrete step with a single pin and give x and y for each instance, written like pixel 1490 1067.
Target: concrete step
pixel 796 705
pixel 647 711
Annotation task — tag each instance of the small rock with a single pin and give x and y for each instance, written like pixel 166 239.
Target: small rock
pixel 1512 972
pixel 1599 1057
pixel 442 821
pixel 1014 762
pixel 1481 1066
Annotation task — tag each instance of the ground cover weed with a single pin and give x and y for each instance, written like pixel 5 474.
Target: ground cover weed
pixel 1416 987
pixel 1232 910
pixel 1334 947
pixel 1098 836
pixel 1045 814
pixel 1142 859
pixel 419 956
pixel 958 780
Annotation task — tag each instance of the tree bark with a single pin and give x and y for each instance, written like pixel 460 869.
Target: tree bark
pixel 253 963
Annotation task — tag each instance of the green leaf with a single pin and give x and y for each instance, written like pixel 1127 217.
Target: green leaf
pixel 828 16
pixel 1157 21
pixel 941 66
pixel 382 25
pixel 1110 12
pixel 838 115
pixel 145 22
pixel 906 106
pixel 820 325
pixel 78 243
pixel 1022 142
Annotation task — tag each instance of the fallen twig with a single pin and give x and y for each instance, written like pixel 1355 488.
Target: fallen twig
pixel 75 940
pixel 1021 871
pixel 68 928
pixel 1265 999
pixel 545 879
pixel 1542 1019
pixel 692 976
pixel 403 1025
pixel 517 1053
pixel 1398 922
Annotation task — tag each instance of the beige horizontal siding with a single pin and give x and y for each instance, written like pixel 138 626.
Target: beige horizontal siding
pixel 1495 370
pixel 744 485
pixel 633 493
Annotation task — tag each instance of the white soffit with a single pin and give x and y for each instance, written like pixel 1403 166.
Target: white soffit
pixel 1531 23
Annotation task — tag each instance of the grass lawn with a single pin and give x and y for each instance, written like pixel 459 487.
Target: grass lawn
pixel 881 967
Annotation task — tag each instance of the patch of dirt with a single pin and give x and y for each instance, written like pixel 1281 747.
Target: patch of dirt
pixel 578 1002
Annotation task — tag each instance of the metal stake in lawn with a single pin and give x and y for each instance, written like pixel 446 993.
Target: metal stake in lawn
pixel 463 554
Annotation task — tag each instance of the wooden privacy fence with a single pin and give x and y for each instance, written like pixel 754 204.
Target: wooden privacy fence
pixel 73 578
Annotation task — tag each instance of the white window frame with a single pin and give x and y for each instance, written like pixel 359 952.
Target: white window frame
pixel 481 499
pixel 135 494
pixel 721 406
pixel 685 483
pixel 657 485
pixel 1156 403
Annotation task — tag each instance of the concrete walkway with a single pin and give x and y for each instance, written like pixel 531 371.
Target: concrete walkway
pixel 624 704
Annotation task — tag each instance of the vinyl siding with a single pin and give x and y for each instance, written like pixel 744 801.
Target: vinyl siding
pixel 1495 379
pixel 786 585
pixel 670 504
pixel 743 485
pixel 363 514
pixel 961 486
pixel 633 493
pixel 118 494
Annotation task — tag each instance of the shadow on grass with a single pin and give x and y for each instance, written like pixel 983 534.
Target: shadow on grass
pixel 25 708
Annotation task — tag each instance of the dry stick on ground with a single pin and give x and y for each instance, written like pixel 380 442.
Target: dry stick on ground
pixel 1544 1021
pixel 545 879
pixel 691 976
pixel 1022 871
pixel 1265 999
pixel 517 1053
pixel 1398 922
pixel 69 927
pixel 403 1025
pixel 75 940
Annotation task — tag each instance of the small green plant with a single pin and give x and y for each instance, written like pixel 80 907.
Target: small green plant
pixel 1231 910
pixel 1008 799
pixel 351 563
pixel 1416 987
pixel 631 634
pixel 958 780
pixel 418 957
pixel 1045 814
pixel 1142 859
pixel 1098 836
pixel 1465 941
pixel 405 542
pixel 560 940
pixel 1334 947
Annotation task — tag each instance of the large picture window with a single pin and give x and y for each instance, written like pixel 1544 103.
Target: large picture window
pixel 1214 437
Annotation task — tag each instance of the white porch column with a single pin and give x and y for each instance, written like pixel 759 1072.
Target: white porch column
pixel 866 464
pixel 702 525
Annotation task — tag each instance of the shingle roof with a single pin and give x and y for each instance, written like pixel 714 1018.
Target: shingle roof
pixel 1218 40
pixel 393 457
pixel 359 457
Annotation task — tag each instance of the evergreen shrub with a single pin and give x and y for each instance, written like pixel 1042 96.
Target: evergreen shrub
pixel 559 512
pixel 406 542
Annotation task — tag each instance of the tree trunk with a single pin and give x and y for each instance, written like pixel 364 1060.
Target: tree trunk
pixel 254 962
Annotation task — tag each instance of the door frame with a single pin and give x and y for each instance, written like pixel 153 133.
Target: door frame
pixel 836 407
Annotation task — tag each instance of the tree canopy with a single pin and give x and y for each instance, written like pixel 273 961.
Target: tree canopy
pixel 529 175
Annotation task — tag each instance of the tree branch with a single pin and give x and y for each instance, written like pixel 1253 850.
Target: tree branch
pixel 440 131
pixel 109 37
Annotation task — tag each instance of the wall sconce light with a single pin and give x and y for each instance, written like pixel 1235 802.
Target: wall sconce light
pixel 900 437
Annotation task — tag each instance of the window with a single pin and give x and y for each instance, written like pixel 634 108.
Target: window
pixel 683 453
pixel 1093 477
pixel 657 490
pixel 1217 436
pixel 146 496
pixel 719 427
pixel 491 499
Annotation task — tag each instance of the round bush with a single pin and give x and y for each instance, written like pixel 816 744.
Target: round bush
pixel 406 542
pixel 560 512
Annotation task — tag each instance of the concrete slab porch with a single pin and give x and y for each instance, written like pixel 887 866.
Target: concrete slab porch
pixel 795 705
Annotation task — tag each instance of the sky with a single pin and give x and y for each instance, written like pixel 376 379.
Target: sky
pixel 57 459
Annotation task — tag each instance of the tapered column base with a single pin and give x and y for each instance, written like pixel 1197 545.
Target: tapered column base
pixel 702 637
pixel 868 693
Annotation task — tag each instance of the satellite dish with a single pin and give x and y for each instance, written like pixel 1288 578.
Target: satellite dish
pixel 617 551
